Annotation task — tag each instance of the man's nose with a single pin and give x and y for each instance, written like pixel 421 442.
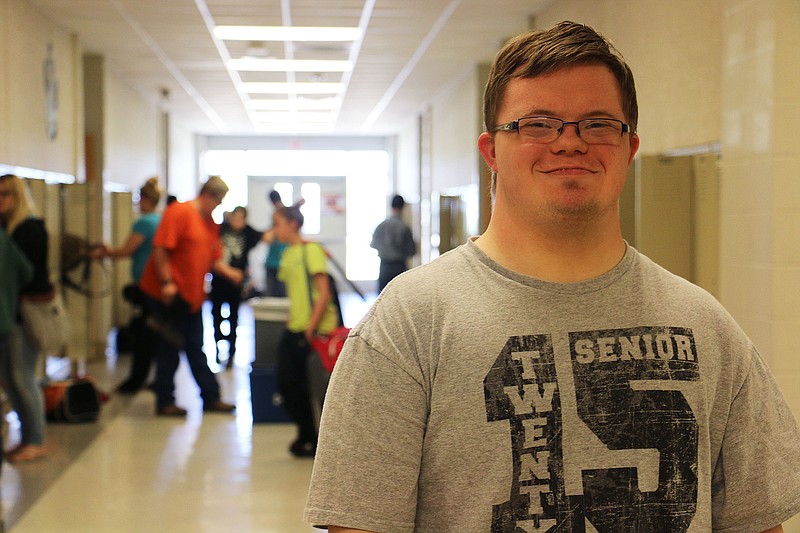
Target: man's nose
pixel 569 138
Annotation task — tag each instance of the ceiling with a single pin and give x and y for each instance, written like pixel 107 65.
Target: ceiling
pixel 408 52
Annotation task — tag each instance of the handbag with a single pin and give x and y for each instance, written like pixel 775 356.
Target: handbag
pixel 46 323
pixel 72 400
pixel 329 346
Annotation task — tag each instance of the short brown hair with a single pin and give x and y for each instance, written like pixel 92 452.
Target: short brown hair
pixel 292 214
pixel 215 187
pixel 539 52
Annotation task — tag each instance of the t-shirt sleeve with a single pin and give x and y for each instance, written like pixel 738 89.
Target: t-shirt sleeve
pixel 317 260
pixel 365 475
pixel 252 238
pixel 169 230
pixel 756 482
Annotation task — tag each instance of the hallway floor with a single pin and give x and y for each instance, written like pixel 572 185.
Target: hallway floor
pixel 134 472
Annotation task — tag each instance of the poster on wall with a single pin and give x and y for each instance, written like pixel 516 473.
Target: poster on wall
pixel 333 203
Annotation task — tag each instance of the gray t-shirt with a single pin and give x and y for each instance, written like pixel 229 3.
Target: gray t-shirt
pixel 473 399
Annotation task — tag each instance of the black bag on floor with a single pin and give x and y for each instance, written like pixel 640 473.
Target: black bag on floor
pixel 72 400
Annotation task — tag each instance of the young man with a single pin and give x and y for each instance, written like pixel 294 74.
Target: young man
pixel 238 239
pixel 303 270
pixel 186 247
pixel 546 376
pixel 395 244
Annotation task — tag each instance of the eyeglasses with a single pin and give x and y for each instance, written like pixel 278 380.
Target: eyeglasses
pixel 548 129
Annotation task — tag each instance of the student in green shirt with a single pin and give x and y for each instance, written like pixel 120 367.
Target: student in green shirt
pixel 303 269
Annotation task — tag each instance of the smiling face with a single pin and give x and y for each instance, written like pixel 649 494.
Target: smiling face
pixel 565 181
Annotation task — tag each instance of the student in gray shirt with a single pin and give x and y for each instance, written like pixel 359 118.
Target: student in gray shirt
pixel 546 376
pixel 395 244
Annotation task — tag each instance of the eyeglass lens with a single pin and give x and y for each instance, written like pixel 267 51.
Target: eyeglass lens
pixel 592 130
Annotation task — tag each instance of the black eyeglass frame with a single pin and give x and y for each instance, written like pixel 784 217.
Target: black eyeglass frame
pixel 514 125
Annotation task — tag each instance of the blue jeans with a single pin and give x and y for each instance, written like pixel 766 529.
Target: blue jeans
pixel 190 327
pixel 18 374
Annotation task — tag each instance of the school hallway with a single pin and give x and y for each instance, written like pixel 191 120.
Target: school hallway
pixel 135 472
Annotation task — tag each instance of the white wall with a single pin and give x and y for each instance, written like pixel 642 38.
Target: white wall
pixel 132 136
pixel 454 134
pixel 184 181
pixel 760 200
pixel 406 179
pixel 24 38
pixel 674 49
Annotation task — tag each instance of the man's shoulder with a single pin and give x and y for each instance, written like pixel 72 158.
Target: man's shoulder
pixel 448 268
pixel 175 211
pixel 147 221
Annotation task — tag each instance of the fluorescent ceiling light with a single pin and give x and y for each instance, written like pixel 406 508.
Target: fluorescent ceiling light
pixel 295 104
pixel 294 128
pixel 289 65
pixel 286 33
pixel 265 87
pixel 291 117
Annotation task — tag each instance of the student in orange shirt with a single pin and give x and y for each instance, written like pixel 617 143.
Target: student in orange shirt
pixel 186 247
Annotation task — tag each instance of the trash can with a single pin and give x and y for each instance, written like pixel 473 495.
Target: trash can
pixel 266 400
pixel 270 316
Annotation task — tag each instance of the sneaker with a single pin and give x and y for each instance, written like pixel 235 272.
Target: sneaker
pixel 171 410
pixel 219 407
pixel 303 449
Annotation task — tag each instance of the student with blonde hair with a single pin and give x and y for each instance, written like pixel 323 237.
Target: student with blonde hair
pixel 18 370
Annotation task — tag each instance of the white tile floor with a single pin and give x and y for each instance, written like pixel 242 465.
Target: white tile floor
pixel 135 472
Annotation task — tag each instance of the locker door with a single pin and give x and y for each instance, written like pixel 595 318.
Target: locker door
pixel 664 229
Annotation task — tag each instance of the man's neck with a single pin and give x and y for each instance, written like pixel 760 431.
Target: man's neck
pixel 197 203
pixel 295 239
pixel 561 255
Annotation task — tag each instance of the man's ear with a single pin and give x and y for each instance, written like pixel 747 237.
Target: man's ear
pixel 486 148
pixel 634 147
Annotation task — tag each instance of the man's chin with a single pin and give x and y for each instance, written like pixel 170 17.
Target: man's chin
pixel 576 211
